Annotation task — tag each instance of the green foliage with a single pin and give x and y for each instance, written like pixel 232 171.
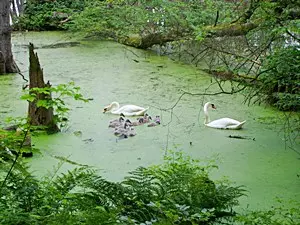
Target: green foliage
pixel 47 15
pixel 115 18
pixel 102 21
pixel 99 21
pixel 277 216
pixel 276 38
pixel 178 191
pixel 13 141
pixel 281 81
pixel 56 102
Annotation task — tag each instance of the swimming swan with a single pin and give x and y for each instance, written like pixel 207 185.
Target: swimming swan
pixel 223 123
pixel 126 110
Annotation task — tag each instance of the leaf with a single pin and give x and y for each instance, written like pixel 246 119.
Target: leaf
pixel 28 97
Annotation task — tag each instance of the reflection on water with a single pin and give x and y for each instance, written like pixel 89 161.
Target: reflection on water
pixel 107 72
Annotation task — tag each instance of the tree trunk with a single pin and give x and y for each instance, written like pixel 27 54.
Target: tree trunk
pixel 39 116
pixel 7 63
pixel 17 7
pixel 13 10
pixel 231 30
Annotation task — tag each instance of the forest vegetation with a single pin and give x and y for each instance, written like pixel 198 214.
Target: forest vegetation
pixel 252 44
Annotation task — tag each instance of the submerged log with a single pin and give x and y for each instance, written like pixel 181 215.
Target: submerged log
pixel 39 116
pixel 241 137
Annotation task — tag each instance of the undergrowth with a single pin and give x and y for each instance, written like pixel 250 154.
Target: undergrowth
pixel 177 192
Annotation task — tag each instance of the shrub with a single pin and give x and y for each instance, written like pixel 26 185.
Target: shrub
pixel 281 81
pixel 178 191
pixel 47 15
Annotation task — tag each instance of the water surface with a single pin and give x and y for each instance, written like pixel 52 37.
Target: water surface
pixel 107 71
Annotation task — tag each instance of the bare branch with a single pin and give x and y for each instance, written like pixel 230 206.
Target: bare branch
pixel 234 54
pixel 292 35
pixel 22 76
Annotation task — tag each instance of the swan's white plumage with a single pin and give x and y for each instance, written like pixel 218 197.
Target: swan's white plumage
pixel 126 110
pixel 223 123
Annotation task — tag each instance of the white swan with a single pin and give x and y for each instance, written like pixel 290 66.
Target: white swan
pixel 224 123
pixel 126 110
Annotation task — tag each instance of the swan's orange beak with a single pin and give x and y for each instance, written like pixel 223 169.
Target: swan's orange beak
pixel 213 106
pixel 104 110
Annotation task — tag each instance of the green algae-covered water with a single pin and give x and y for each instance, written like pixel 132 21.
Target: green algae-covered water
pixel 107 71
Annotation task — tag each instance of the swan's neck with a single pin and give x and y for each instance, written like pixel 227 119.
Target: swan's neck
pixel 114 106
pixel 205 109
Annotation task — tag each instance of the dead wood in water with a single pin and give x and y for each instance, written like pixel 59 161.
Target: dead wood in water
pixel 241 137
pixel 39 116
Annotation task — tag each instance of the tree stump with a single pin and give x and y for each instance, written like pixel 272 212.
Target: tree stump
pixel 39 116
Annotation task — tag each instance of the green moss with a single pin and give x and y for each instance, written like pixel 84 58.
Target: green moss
pixel 134 40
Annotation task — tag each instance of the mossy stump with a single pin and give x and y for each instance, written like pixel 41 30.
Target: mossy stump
pixel 39 116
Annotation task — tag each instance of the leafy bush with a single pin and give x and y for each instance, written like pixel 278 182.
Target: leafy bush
pixel 145 17
pixel 106 19
pixel 281 81
pixel 47 15
pixel 178 191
